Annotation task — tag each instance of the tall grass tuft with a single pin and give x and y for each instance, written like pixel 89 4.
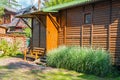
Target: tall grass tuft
pixel 81 59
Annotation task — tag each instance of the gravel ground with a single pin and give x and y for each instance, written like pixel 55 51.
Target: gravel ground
pixel 17 69
pixel 19 63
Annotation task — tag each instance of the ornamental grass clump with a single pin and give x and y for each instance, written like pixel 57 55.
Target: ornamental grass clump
pixel 81 59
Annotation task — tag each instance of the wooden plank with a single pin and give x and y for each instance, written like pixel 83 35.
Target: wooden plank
pixel 52 35
pixel 81 36
pixel 91 41
pixel 109 27
pixel 65 35
pixel 54 20
pixel 26 23
pixel 39 20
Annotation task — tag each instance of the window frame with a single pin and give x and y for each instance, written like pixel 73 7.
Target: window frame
pixel 85 18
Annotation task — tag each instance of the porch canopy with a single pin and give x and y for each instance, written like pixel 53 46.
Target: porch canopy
pixel 31 15
pixel 36 15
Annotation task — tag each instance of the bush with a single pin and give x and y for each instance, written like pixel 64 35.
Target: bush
pixel 9 49
pixel 28 32
pixel 80 59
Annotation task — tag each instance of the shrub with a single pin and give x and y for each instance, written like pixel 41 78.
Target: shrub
pixel 8 48
pixel 28 32
pixel 81 59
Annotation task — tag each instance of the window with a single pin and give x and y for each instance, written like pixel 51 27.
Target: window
pixel 88 18
pixel 6 19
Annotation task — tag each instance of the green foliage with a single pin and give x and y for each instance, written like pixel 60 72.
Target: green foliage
pixel 28 32
pixel 1 11
pixel 87 60
pixel 55 2
pixel 8 48
pixel 9 3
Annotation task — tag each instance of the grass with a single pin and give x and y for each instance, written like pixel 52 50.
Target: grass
pixel 7 73
pixel 55 74
pixel 18 55
pixel 80 59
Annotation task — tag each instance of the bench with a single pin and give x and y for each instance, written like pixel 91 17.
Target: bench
pixel 34 53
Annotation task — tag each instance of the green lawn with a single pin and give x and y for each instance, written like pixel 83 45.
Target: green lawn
pixel 8 73
pixel 54 74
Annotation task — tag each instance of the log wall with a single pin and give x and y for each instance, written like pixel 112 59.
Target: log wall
pixel 104 31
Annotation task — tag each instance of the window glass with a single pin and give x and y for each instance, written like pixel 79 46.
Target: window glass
pixel 88 18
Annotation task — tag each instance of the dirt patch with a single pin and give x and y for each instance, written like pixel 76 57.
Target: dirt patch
pixel 19 63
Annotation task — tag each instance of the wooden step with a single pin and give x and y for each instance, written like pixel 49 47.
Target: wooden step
pixel 31 56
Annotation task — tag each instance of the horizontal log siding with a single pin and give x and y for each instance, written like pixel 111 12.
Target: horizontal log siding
pixel 115 31
pixel 73 26
pixel 104 31
pixel 86 35
pixel 62 24
pixel 73 36
pixel 101 25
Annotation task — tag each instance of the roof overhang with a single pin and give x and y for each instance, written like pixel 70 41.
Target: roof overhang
pixel 69 5
pixel 32 14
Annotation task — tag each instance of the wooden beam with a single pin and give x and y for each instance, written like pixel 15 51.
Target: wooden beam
pixel 26 23
pixel 92 26
pixel 39 20
pixel 50 15
pixel 65 28
pixel 64 35
pixel 53 23
pixel 81 40
pixel 81 36
pixel 31 39
pixel 109 27
pixel 91 40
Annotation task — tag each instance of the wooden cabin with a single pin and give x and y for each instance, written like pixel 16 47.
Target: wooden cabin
pixel 16 26
pixel 85 23
pixel 9 14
